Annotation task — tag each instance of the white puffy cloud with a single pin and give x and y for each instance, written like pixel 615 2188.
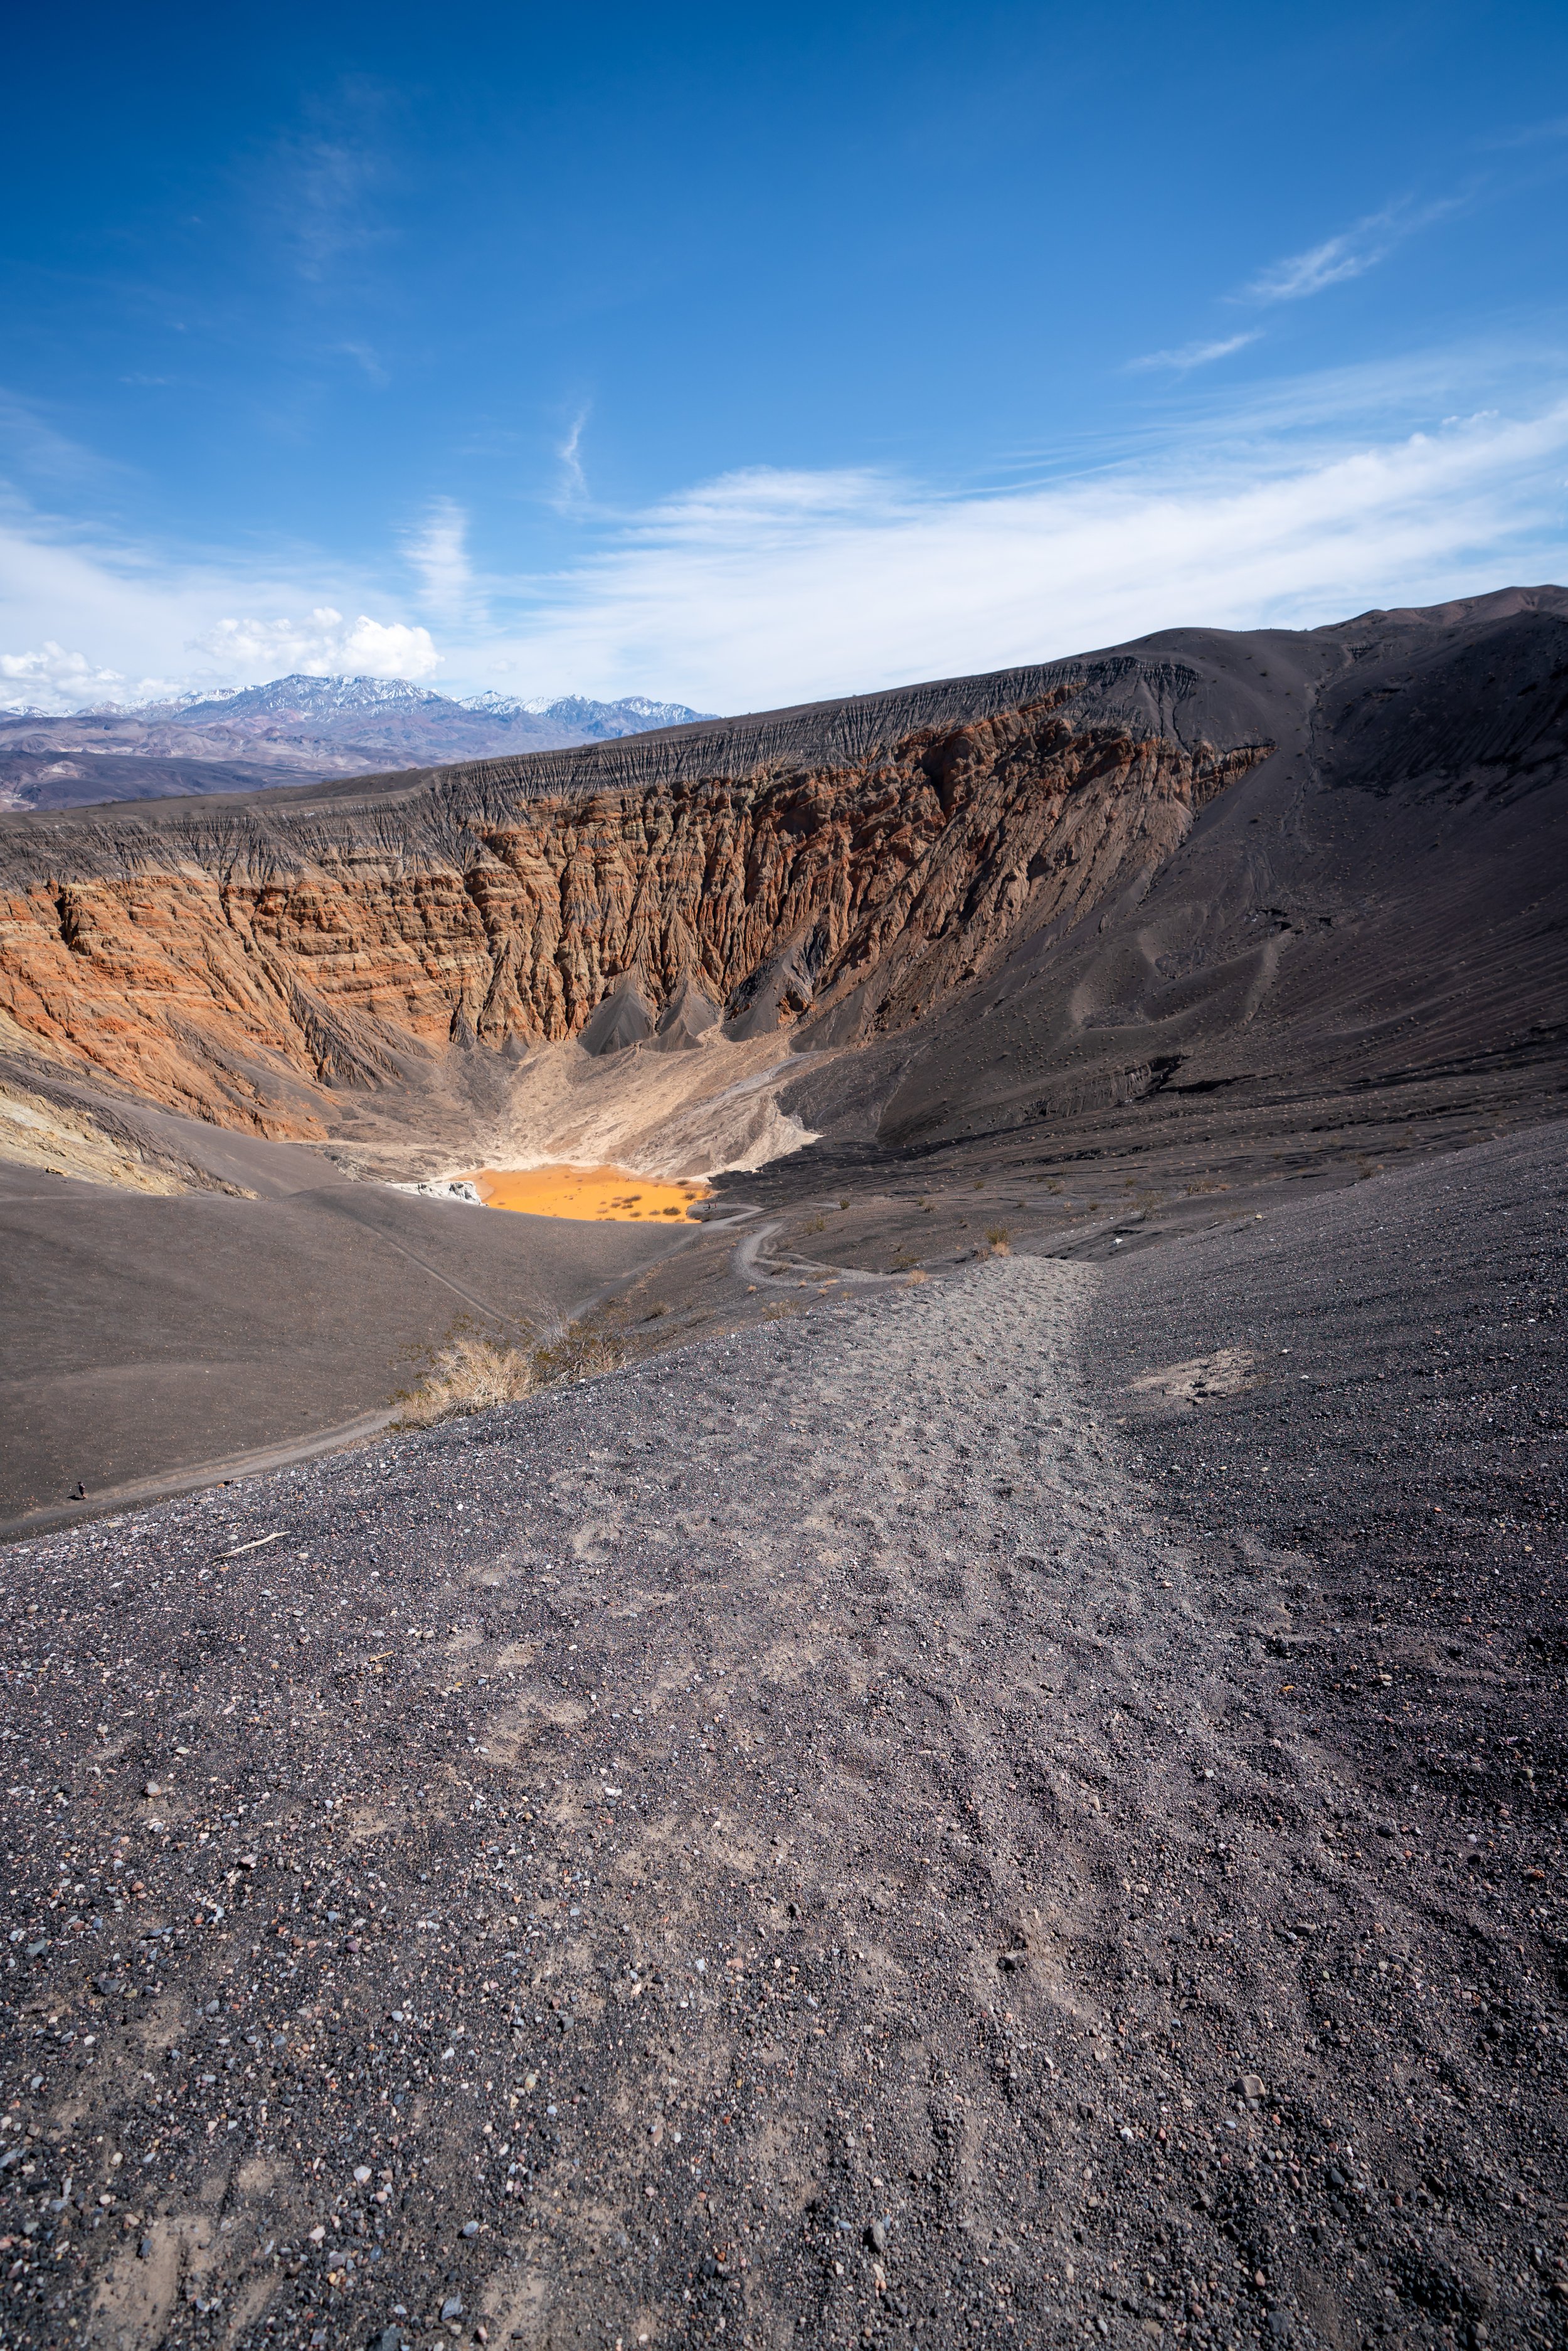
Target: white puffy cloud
pixel 326 645
pixel 149 626
pixel 49 676
pixel 438 552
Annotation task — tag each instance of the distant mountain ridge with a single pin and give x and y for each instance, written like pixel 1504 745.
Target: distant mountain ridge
pixel 292 730
pixel 335 699
pixel 299 695
pixel 601 721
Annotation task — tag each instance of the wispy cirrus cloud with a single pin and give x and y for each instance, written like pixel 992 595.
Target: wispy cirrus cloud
pixel 774 586
pixel 1350 253
pixel 368 360
pixel 770 587
pixel 1532 134
pixel 573 480
pixel 438 552
pixel 1195 355
pixel 319 190
pixel 326 201
pixel 1337 259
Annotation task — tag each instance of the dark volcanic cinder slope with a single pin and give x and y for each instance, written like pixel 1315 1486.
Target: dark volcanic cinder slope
pixel 1014 1807
pixel 1379 913
pixel 166 1338
pixel 824 1841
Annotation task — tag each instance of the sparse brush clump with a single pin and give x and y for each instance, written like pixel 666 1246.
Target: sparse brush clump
pixel 580 1353
pixel 999 1240
pixel 469 1373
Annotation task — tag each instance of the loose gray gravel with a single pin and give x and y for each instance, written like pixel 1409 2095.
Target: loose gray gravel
pixel 880 1830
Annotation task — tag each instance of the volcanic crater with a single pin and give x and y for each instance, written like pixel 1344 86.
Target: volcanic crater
pixel 971 1750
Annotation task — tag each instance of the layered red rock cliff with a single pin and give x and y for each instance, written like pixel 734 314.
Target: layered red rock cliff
pixel 245 987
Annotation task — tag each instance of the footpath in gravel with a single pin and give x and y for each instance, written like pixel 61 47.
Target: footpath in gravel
pixel 804 1843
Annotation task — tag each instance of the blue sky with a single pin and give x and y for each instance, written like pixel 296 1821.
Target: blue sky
pixel 745 356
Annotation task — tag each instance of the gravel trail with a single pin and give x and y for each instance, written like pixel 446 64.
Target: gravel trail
pixel 793 1844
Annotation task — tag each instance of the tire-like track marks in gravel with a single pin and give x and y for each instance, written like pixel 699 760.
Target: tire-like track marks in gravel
pixel 793 1844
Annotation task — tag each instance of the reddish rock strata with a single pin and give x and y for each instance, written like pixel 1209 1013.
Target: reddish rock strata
pixel 241 994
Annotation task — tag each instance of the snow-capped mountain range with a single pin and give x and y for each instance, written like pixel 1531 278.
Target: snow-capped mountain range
pixel 293 730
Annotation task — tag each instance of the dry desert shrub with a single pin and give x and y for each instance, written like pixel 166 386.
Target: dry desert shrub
pixel 466 1375
pixel 999 1240
pixel 471 1374
pixel 580 1353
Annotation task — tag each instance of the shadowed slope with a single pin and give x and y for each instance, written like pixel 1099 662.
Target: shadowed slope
pixel 1383 903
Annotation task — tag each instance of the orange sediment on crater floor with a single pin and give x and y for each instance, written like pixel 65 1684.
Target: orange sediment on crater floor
pixel 592 1193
